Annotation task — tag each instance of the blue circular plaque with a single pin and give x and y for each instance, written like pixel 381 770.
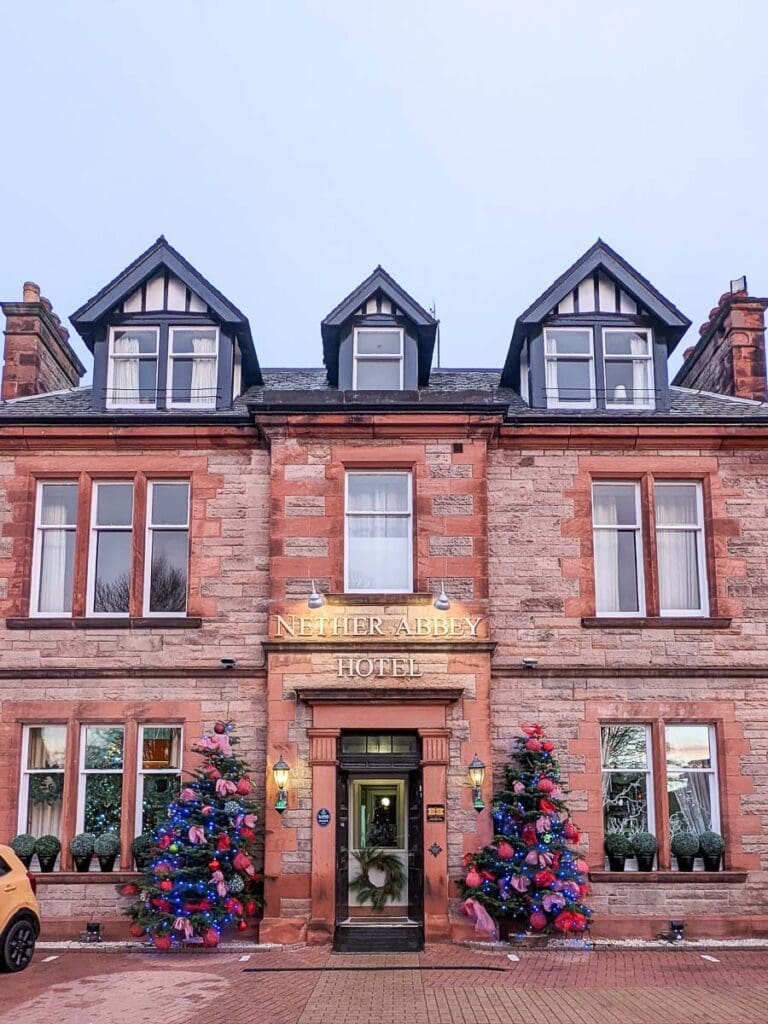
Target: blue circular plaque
pixel 323 817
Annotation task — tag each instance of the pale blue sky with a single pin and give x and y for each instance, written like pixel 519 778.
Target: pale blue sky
pixel 474 149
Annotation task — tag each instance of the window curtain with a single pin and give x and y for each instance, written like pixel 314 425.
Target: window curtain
pixel 44 804
pixel 677 549
pixel 606 553
pixel 378 549
pixel 125 373
pixel 204 371
pixel 58 547
pixel 640 368
pixel 690 802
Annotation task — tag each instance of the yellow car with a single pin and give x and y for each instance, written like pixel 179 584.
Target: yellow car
pixel 19 913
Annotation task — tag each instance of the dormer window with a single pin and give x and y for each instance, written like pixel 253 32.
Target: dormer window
pixel 132 371
pixel 570 367
pixel 628 368
pixel 378 359
pixel 192 358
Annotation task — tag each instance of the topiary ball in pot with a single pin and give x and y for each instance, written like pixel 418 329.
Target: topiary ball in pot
pixel 141 848
pixel 23 845
pixel 106 848
pixel 685 846
pixel 81 848
pixel 47 849
pixel 711 847
pixel 618 849
pixel 644 847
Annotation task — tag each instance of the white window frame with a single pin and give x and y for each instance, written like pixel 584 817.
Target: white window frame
pixel 401 515
pixel 149 531
pixel 112 403
pixel 648 771
pixel 142 772
pixel 714 779
pixel 367 357
pixel 208 403
pixel 95 530
pixel 37 549
pixel 21 817
pixel 639 553
pixel 83 772
pixel 650 400
pixel 701 554
pixel 553 401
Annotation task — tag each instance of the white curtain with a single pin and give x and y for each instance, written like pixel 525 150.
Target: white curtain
pixel 43 818
pixel 56 559
pixel 679 587
pixel 690 802
pixel 125 374
pixel 640 369
pixel 204 371
pixel 607 570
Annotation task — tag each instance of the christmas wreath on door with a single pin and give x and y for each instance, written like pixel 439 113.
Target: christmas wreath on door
pixel 373 858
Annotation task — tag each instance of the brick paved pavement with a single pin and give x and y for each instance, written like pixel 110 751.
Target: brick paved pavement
pixel 444 985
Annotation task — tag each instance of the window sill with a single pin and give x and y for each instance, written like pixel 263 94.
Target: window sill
pixel 370 598
pixel 149 622
pixel 85 877
pixel 655 622
pixel 670 877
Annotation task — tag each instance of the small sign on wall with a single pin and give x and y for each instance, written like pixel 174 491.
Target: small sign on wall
pixel 435 812
pixel 323 817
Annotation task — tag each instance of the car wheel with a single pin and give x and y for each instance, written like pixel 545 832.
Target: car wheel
pixel 18 946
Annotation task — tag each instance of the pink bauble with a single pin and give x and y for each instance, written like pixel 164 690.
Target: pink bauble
pixel 210 938
pixel 546 785
pixel 533 745
pixel 162 942
pixel 505 851
pixel 473 878
pixel 538 920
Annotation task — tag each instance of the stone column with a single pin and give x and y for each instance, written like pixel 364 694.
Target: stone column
pixel 434 783
pixel 322 757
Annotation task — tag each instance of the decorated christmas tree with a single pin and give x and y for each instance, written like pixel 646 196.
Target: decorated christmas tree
pixel 201 874
pixel 530 872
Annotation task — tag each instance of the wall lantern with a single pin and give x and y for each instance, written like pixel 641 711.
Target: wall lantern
pixel 476 771
pixel 442 601
pixel 280 772
pixel 315 600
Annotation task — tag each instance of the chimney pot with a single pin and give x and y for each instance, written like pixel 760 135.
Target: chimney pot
pixel 687 352
pixel 31 292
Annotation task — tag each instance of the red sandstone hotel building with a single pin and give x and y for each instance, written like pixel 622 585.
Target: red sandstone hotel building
pixel 193 537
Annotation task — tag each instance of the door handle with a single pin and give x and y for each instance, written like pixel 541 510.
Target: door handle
pixel 9 888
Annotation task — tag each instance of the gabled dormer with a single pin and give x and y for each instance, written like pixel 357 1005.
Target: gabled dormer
pixel 163 337
pixel 378 338
pixel 597 338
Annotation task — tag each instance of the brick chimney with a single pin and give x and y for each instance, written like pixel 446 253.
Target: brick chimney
pixel 38 356
pixel 729 358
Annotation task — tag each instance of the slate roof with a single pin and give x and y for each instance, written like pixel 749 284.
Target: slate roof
pixel 308 389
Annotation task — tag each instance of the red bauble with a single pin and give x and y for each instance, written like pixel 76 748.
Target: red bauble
pixel 474 878
pixel 248 834
pixel 505 851
pixel 546 806
pixel 233 906
pixel 214 773
pixel 528 833
pixel 162 942
pixel 243 788
pixel 204 905
pixel 220 728
pixel 533 745
pixel 548 746
pixel 251 908
pixel 242 926
pixel 210 938
pixel 214 865
pixel 223 843
pixel 538 920
pixel 543 878
pixel 130 889
pixel 546 785
pixel 136 930
pixel 166 885
pixel 164 842
pixel 164 906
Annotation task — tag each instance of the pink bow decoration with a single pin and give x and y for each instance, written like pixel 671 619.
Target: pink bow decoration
pixel 518 787
pixel 196 835
pixel 481 917
pixel 222 742
pixel 556 793
pixel 541 860
pixel 207 743
pixel 543 824
pixel 520 882
pixel 249 820
pixel 224 787
pixel 221 886
pixel 183 925
pixel 553 902
pixel 186 795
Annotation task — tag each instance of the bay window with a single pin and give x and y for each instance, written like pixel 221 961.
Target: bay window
pixel 110 553
pixel 53 560
pixel 100 791
pixel 378 543
pixel 43 763
pixel 570 367
pixel 378 359
pixel 192 367
pixel 159 773
pixel 132 368
pixel 680 548
pixel 167 547
pixel 628 368
pixel 618 548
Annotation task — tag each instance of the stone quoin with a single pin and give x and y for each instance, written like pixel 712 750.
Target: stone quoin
pixel 379 569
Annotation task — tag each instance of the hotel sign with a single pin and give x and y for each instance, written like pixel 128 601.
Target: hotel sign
pixel 395 627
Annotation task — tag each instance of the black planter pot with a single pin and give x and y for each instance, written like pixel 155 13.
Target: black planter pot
pixel 141 861
pixel 684 863
pixel 26 861
pixel 616 862
pixel 645 863
pixel 107 863
pixel 712 863
pixel 46 863
pixel 83 863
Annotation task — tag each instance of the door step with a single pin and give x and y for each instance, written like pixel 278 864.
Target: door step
pixel 402 936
